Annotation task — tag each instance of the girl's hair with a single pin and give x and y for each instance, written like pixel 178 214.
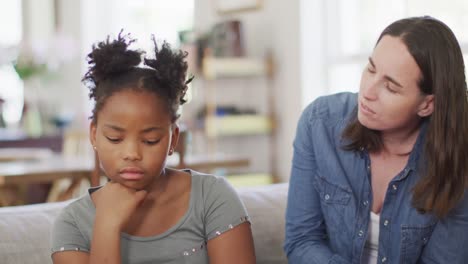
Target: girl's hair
pixel 114 67
pixel 445 170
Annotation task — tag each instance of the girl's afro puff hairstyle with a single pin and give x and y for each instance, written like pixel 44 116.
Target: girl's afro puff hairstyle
pixel 114 67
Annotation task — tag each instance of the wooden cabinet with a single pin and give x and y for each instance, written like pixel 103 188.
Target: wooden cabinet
pixel 239 117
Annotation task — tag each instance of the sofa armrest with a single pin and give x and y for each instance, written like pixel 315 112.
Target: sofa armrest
pixel 267 206
pixel 25 232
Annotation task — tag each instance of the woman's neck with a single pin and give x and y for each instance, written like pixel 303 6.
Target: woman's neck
pixel 400 143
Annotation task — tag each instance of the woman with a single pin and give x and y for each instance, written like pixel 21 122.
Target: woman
pixel 380 177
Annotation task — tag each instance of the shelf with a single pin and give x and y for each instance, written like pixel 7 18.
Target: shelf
pixel 233 67
pixel 231 125
pixel 253 179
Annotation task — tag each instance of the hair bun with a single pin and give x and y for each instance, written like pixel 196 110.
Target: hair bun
pixel 108 58
pixel 170 68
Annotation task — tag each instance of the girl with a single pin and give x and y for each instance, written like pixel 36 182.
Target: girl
pixel 381 177
pixel 147 213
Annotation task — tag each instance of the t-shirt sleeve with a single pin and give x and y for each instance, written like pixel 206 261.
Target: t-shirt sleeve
pixel 66 234
pixel 224 209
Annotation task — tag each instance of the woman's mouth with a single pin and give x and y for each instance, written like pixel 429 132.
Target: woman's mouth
pixel 366 109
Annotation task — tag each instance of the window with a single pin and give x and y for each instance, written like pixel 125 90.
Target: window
pixel 11 89
pixel 351 29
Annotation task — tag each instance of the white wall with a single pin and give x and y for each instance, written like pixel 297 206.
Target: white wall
pixel 275 26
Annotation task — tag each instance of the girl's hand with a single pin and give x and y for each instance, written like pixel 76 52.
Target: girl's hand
pixel 116 203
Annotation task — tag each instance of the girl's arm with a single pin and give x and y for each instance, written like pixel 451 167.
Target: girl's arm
pixel 105 245
pixel 114 207
pixel 234 246
pixel 70 257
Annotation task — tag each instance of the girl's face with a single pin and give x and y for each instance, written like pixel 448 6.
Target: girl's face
pixel 389 96
pixel 132 136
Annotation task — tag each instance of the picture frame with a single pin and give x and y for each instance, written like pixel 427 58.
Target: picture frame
pixel 235 6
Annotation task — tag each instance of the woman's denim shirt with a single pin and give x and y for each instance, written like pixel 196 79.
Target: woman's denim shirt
pixel 330 199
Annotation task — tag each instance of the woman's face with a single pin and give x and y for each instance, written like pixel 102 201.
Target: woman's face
pixel 133 135
pixel 389 97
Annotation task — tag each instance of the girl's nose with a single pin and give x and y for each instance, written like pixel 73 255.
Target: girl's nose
pixel 132 152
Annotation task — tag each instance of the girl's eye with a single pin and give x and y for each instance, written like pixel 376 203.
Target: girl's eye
pixel 113 140
pixel 151 142
pixel 370 69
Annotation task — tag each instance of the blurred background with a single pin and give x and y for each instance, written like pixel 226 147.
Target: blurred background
pixel 257 64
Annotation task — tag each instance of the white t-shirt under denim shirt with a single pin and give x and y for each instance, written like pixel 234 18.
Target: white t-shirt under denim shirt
pixel 214 209
pixel 371 247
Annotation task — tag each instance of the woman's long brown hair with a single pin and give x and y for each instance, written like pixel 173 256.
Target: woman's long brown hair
pixel 444 167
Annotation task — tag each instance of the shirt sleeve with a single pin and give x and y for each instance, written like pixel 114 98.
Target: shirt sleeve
pixel 66 235
pixel 223 208
pixel 449 241
pixel 306 237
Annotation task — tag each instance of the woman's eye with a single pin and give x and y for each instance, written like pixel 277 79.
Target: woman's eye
pixel 113 140
pixel 387 85
pixel 371 70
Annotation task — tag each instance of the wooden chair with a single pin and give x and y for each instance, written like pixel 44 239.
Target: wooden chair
pixel 76 143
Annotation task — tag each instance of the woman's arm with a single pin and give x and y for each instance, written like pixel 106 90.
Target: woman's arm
pixel 449 240
pixel 234 246
pixel 306 236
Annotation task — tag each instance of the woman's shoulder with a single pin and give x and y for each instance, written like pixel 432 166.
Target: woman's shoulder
pixel 337 105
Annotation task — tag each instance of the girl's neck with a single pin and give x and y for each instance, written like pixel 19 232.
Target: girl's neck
pixel 157 188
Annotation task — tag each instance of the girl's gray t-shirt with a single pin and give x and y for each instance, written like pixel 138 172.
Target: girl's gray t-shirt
pixel 214 209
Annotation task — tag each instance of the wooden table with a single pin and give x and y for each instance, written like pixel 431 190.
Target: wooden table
pixel 49 169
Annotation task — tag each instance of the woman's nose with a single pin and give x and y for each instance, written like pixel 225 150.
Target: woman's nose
pixel 369 89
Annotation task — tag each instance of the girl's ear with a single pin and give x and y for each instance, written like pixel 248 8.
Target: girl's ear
pixel 427 106
pixel 174 138
pixel 92 133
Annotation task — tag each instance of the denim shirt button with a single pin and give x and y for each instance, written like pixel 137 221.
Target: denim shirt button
pixel 361 233
pixel 327 197
pixel 365 203
pixel 384 259
pixel 394 187
pixel 385 223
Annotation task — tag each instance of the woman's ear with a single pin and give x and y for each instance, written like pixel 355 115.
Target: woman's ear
pixel 427 106
pixel 92 134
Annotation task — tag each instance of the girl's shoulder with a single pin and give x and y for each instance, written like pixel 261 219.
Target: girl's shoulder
pixel 209 183
pixel 81 212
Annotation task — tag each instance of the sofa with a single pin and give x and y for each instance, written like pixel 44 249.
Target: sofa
pixel 25 230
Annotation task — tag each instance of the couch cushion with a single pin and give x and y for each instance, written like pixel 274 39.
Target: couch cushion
pixel 25 233
pixel 266 206
pixel 25 230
